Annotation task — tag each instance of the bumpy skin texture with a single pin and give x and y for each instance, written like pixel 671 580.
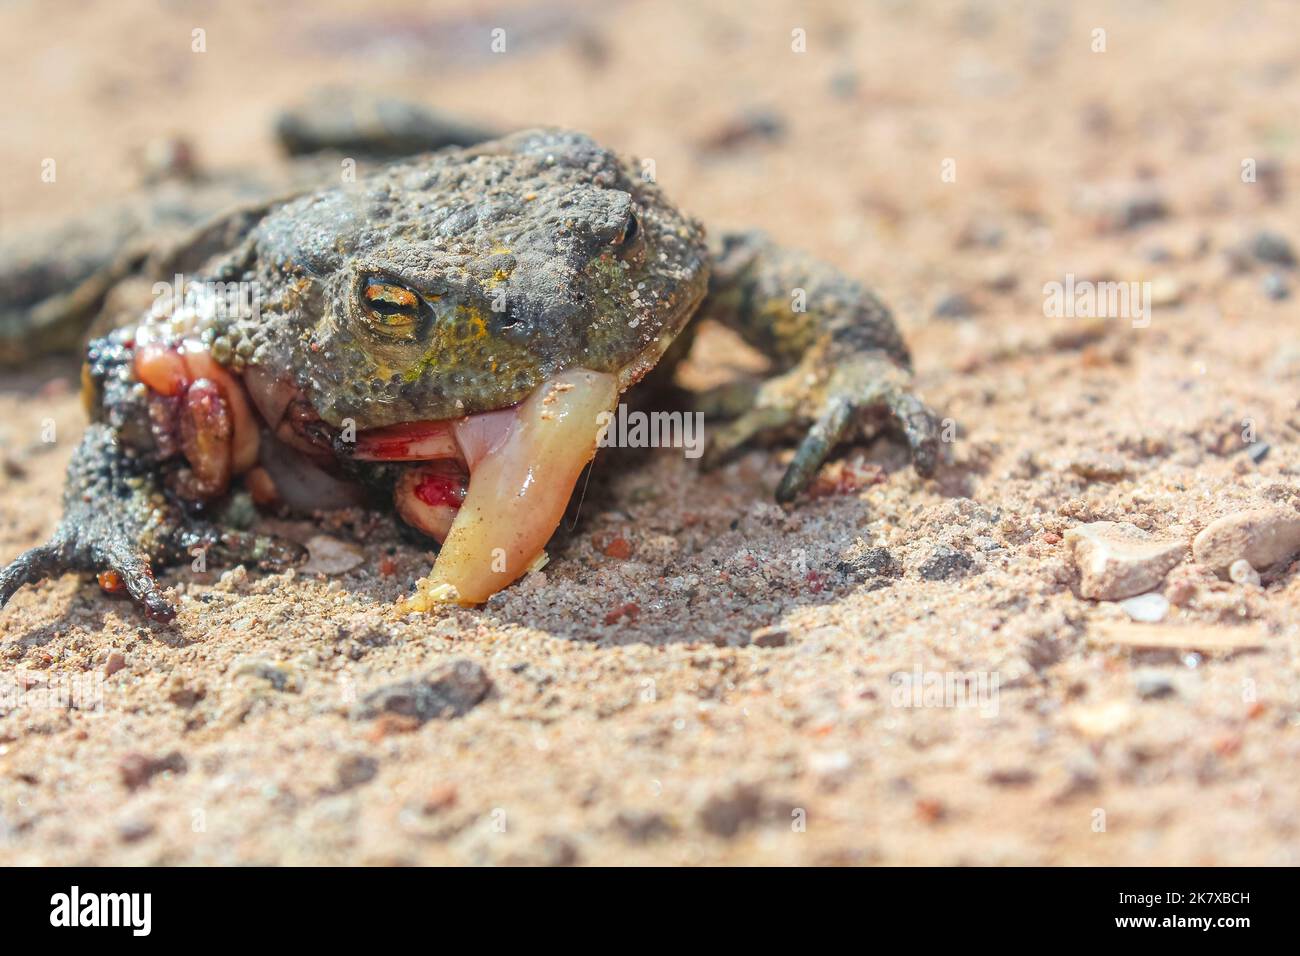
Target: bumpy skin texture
pixel 448 285
pixel 531 223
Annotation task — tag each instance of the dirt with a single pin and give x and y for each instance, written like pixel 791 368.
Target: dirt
pixel 700 676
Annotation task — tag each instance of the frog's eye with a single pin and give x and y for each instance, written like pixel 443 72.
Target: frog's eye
pixel 628 241
pixel 393 310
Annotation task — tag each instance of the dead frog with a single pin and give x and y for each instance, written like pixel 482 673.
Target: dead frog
pixel 449 330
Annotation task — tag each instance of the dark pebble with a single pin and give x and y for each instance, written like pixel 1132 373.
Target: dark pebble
pixel 1142 207
pixel 1271 247
pixel 1258 451
pixel 770 637
pixel 137 769
pixel 133 831
pixel 1011 777
pixel 451 692
pixel 954 306
pixel 356 769
pixel 752 126
pixel 1154 686
pixel 644 826
pixel 944 563
pixel 875 565
pixel 725 815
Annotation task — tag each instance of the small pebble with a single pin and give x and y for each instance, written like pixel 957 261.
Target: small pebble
pixel 441 797
pixel 1118 206
pixel 232 579
pixel 944 563
pixel 643 826
pixel 453 691
pixel 869 564
pixel 955 305
pixel 744 129
pixel 1275 287
pixel 116 661
pixel 1000 277
pixel 929 810
pixel 1011 776
pixel 280 676
pixel 1272 247
pixel 331 556
pixel 770 637
pixel 133 831
pixel 1241 572
pixel 1262 537
pixel 980 233
pixel 619 548
pixel 137 769
pixel 1153 685
pixel 1147 608
pixel 1118 560
pixel 1166 291
pixel 356 769
pixel 1258 451
pixel 726 814
pixel 629 611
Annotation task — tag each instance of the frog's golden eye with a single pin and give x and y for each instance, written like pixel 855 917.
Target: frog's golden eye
pixel 628 242
pixel 393 310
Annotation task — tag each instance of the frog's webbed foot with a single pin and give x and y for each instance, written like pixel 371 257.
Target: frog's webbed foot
pixel 861 392
pixel 119 524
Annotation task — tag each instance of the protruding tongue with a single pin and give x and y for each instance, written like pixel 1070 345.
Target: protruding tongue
pixel 523 463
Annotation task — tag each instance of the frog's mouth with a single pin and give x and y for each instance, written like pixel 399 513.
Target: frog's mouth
pixel 493 487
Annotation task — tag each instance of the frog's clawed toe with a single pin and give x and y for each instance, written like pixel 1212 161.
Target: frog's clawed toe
pixel 30 567
pixel 123 569
pixel 833 410
pixel 859 389
pixel 118 567
pixel 130 571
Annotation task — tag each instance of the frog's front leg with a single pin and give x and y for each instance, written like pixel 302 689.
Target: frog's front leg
pixel 840 361
pixel 116 523
pixel 160 454
pixel 119 523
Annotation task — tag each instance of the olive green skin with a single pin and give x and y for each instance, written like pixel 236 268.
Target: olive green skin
pixel 529 255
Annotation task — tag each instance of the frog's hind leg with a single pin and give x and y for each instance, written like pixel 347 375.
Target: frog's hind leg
pixel 119 524
pixel 841 364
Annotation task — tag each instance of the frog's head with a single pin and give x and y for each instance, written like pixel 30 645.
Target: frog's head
pixel 475 313
pixel 459 282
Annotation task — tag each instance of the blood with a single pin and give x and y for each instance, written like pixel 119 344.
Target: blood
pixel 441 490
pixel 410 441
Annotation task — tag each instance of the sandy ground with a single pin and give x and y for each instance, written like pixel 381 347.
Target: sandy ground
pixel 629 708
